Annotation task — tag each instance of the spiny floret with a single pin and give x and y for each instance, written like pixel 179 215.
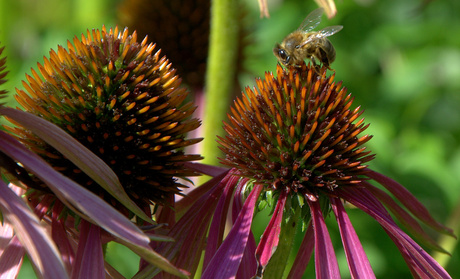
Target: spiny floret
pixel 121 100
pixel 296 130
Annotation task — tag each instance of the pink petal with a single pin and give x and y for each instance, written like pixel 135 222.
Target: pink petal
pixel 411 251
pixel 59 235
pixel 33 236
pixel 249 268
pixel 358 262
pixel 409 201
pixel 270 237
pixel 212 171
pixel 89 262
pixel 304 254
pixel 226 262
pixel 11 259
pixel 187 201
pixel 73 150
pixel 74 195
pixel 190 231
pixel 80 200
pixel 325 261
pixel 216 231
pixel 405 218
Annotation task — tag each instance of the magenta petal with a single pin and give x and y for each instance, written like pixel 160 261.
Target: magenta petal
pixel 89 261
pixel 358 262
pixel 60 237
pixel 33 236
pixel 226 261
pixel 304 254
pixel 409 201
pixel 270 237
pixel 216 231
pixel 411 251
pixel 325 260
pixel 405 218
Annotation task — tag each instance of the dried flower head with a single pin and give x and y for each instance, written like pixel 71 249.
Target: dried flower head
pixel 181 27
pixel 297 132
pixel 121 100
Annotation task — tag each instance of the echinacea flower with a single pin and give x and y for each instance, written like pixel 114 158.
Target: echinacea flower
pixel 121 126
pixel 294 142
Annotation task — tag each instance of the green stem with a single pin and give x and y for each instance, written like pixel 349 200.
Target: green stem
pixel 276 267
pixel 220 76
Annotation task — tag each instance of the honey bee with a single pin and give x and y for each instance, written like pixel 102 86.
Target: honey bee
pixel 304 43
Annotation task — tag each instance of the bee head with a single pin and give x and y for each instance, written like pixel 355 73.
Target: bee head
pixel 282 55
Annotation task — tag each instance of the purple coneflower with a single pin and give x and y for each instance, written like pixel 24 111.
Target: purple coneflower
pixel 119 99
pixel 294 142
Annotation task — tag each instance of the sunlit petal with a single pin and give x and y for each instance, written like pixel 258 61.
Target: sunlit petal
pixel 34 238
pixel 227 259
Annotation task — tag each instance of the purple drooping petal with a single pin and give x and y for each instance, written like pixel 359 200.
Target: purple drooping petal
pixel 89 262
pixel 405 218
pixel 409 201
pixel 358 262
pixel 363 199
pixel 11 258
pixel 81 156
pixel 60 237
pixel 216 231
pixel 303 256
pixel 32 235
pixel 73 195
pixel 226 261
pixel 270 237
pixel 325 260
pixel 249 268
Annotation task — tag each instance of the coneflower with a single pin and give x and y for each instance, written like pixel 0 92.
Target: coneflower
pixel 124 120
pixel 121 100
pixel 294 142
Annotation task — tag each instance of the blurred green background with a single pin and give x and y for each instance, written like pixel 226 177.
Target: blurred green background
pixel 400 59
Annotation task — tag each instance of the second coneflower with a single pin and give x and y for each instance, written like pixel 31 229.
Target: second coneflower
pixel 121 100
pixel 294 142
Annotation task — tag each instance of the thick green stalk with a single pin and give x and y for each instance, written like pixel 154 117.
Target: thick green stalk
pixel 276 267
pixel 220 76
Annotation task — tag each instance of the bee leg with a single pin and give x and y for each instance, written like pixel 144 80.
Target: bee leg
pixel 316 66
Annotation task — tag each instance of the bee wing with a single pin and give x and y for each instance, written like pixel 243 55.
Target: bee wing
pixel 326 32
pixel 312 20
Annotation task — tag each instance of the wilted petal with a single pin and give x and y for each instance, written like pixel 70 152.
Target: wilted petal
pixel 325 261
pixel 34 238
pixel 358 262
pixel 226 261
